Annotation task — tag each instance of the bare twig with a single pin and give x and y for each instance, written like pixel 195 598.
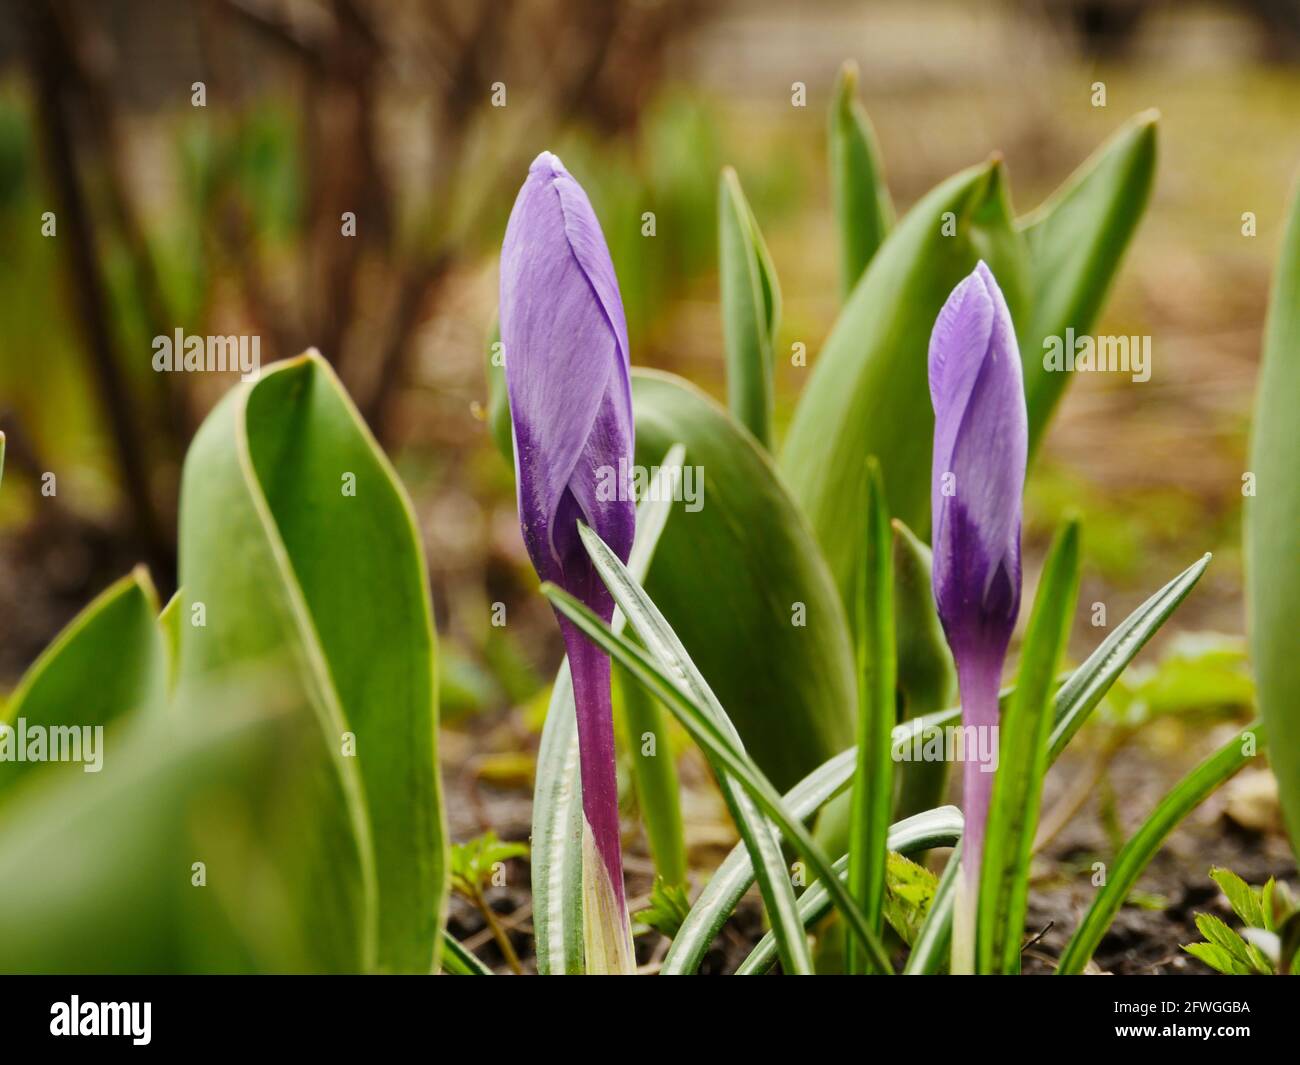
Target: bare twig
pixel 49 58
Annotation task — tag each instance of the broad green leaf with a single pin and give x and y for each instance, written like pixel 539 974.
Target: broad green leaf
pixel 873 780
pixel 863 208
pixel 741 581
pixel 1122 875
pixel 927 678
pixel 1023 760
pixel 299 553
pixel 165 861
pixel 108 663
pixel 1076 241
pixel 691 701
pixel 557 797
pixel 458 960
pixel 1272 518
pixel 751 306
pixel 933 828
pixel 868 393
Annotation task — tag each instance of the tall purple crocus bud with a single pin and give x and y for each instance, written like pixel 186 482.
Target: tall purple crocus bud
pixel 978 476
pixel 567 373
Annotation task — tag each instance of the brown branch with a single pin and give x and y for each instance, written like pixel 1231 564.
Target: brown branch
pixel 419 283
pixel 96 94
pixel 48 57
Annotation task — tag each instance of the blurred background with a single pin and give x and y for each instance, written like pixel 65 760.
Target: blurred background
pixel 216 209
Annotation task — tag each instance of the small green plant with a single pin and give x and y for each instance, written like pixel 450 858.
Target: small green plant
pixel 1268 943
pixel 478 864
pixel 669 905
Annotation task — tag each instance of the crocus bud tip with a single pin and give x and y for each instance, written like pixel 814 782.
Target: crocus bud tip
pixel 547 162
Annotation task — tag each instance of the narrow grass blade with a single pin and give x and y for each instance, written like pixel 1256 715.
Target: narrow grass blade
pixel 927 679
pixel 459 960
pixel 735 875
pixel 873 782
pixel 709 727
pixel 750 309
pixel 758 835
pixel 1075 699
pixel 1023 761
pixel 557 838
pixel 1271 520
pixel 940 827
pixel 1088 684
pixel 933 943
pixel 1188 794
pixel 557 797
pixel 654 773
pixel 863 209
pixel 654 777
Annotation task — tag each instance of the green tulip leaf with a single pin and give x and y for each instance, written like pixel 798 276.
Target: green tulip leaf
pixel 869 392
pixel 739 578
pixel 108 663
pixel 1076 241
pixel 863 208
pixel 751 308
pixel 299 556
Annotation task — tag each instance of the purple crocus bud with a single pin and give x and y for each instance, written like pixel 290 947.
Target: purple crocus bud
pixel 978 476
pixel 567 373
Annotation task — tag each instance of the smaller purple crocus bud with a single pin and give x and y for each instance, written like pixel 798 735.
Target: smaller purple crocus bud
pixel 568 377
pixel 980 449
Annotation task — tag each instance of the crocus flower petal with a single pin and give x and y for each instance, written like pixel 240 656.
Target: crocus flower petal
pixel 980 450
pixel 568 377
pixel 567 374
